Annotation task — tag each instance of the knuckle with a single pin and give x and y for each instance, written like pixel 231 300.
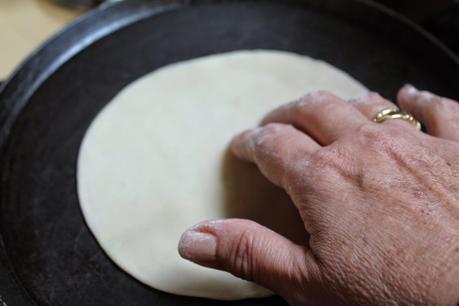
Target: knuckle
pixel 385 139
pixel 370 131
pixel 312 103
pixel 273 128
pixel 375 134
pixel 242 258
pixel 322 94
pixel 314 97
pixel 324 158
pixel 327 107
pixel 264 135
pixel 268 140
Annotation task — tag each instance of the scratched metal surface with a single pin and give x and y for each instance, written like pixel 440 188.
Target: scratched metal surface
pixel 49 257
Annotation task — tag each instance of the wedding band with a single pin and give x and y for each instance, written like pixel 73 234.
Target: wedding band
pixel 394 113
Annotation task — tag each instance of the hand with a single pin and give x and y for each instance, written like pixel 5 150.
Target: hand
pixel 380 202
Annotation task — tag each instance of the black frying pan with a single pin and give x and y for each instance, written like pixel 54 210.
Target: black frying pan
pixel 48 256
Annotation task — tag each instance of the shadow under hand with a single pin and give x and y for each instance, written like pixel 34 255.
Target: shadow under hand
pixel 249 195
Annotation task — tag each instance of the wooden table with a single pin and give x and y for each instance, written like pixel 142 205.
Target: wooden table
pixel 24 25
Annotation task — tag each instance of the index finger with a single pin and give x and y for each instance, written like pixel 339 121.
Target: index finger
pixel 277 150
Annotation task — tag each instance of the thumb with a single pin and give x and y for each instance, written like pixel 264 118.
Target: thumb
pixel 252 252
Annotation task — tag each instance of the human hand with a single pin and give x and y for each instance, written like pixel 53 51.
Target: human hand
pixel 380 202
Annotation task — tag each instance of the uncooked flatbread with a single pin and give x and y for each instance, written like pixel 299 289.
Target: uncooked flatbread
pixel 155 162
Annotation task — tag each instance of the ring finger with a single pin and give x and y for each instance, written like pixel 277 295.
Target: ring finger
pixel 277 150
pixel 372 103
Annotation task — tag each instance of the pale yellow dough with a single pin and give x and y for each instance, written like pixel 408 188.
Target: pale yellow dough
pixel 154 162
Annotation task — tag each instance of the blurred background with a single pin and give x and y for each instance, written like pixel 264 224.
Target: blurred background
pixel 24 24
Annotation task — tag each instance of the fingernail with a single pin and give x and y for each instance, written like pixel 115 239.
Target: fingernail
pixel 198 246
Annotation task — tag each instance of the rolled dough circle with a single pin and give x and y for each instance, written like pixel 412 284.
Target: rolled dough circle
pixel 154 162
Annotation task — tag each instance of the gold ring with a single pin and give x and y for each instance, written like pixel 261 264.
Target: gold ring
pixel 395 113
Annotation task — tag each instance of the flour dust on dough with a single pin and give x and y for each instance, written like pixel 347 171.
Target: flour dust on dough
pixel 154 162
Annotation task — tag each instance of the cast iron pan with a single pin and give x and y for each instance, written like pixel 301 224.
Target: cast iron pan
pixel 48 255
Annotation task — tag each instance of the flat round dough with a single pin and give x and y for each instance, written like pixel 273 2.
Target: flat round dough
pixel 155 161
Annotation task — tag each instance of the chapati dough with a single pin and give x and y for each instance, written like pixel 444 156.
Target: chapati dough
pixel 155 161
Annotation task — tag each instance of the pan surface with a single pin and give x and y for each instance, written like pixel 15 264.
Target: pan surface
pixel 48 256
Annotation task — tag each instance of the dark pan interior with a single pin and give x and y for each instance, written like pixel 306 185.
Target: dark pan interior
pixel 54 258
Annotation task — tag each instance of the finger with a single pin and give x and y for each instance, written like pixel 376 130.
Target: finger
pixel 322 115
pixel 372 103
pixel 276 149
pixel 439 115
pixel 252 252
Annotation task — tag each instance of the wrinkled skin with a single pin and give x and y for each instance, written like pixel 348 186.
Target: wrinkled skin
pixel 380 202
